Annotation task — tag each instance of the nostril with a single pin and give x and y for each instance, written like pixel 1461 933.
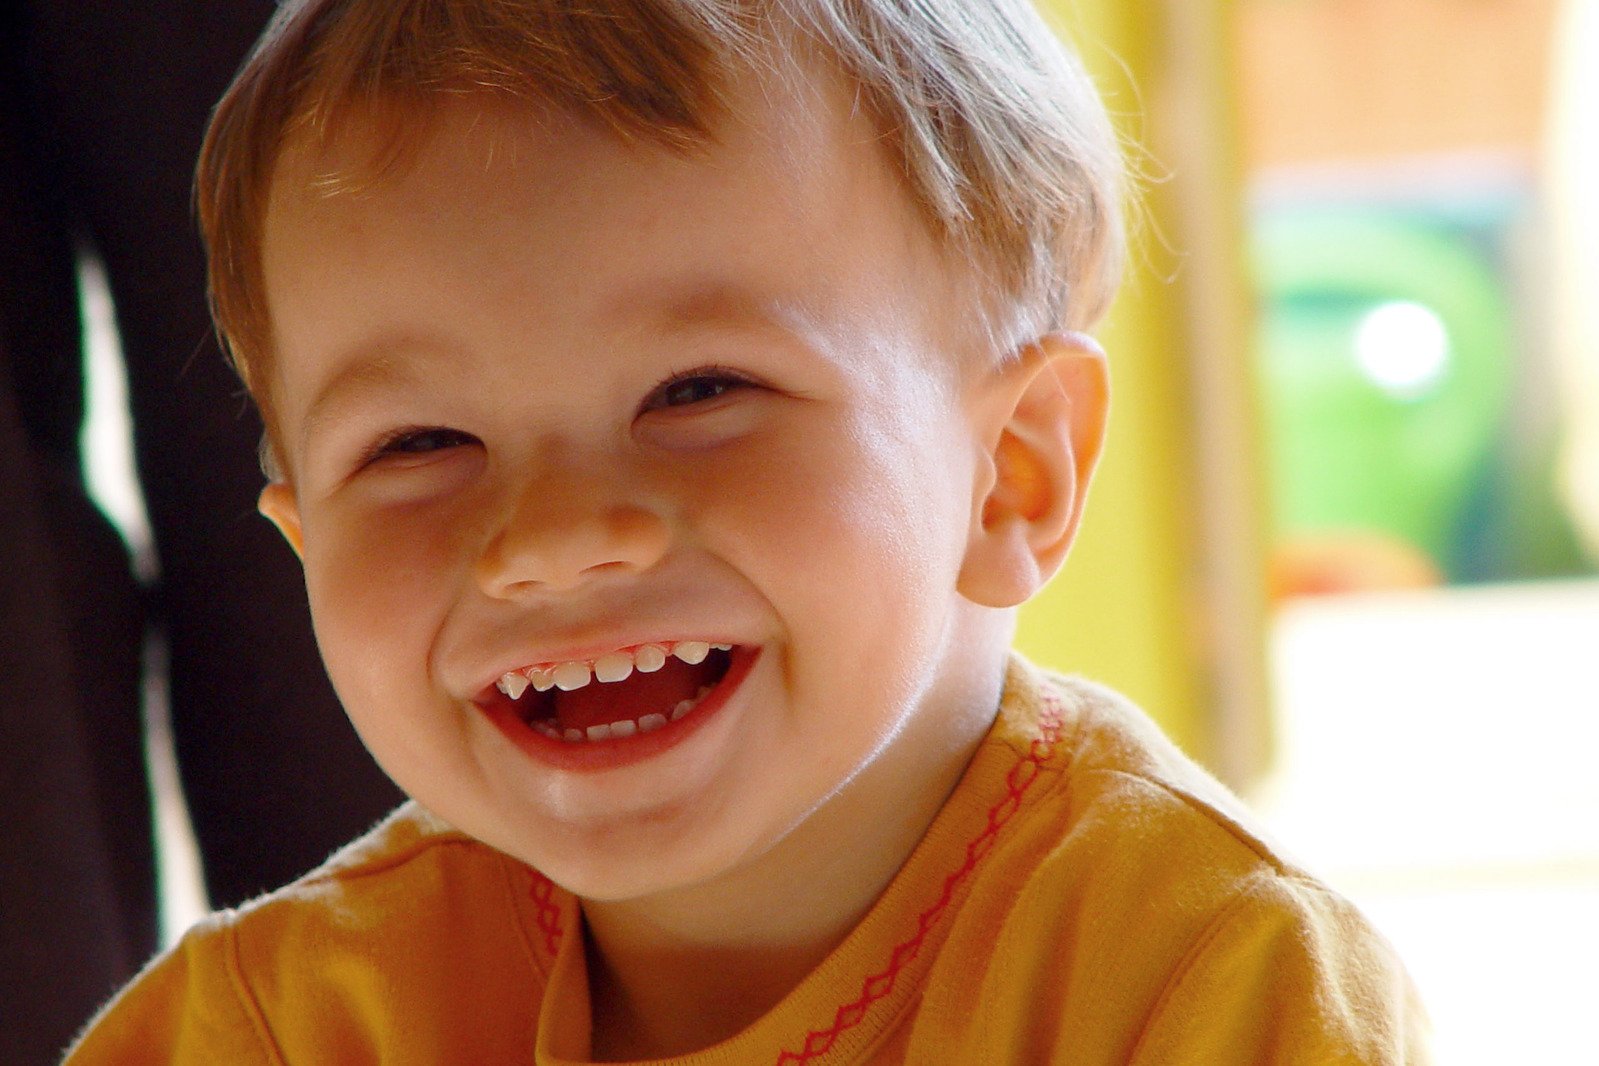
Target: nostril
pixel 554 550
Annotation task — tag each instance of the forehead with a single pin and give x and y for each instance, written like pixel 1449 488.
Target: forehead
pixel 550 225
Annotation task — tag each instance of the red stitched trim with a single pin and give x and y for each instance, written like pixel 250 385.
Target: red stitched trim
pixel 1017 782
pixel 549 913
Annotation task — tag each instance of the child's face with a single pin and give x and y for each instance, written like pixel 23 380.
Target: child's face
pixel 546 397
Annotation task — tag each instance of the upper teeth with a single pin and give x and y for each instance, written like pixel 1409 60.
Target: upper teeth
pixel 610 667
pixel 569 676
pixel 614 666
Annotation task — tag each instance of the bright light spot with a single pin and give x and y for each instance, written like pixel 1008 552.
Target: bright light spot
pixel 1403 347
pixel 106 440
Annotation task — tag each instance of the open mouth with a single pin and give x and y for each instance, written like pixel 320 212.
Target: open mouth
pixel 620 694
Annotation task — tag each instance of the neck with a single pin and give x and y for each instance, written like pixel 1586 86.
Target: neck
pixel 680 971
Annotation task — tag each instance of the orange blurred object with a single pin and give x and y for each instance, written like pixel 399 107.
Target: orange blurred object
pixel 1348 561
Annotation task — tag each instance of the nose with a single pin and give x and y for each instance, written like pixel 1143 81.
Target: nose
pixel 563 531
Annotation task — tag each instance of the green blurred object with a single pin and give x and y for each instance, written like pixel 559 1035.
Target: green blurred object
pixel 1387 374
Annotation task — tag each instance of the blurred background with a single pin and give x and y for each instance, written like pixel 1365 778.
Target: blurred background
pixel 1345 542
pixel 1344 546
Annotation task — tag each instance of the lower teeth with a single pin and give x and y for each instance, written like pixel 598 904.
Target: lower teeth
pixel 625 728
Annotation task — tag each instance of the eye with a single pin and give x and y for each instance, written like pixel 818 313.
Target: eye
pixel 419 441
pixel 696 386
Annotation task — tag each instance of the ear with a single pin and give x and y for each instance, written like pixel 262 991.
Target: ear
pixel 278 504
pixel 1043 419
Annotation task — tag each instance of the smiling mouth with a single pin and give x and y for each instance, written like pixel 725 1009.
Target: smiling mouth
pixel 628 692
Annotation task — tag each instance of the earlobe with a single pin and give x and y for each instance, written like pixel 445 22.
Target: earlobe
pixel 277 503
pixel 1044 422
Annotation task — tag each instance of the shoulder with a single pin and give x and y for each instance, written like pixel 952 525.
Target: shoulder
pixel 409 923
pixel 1132 894
pixel 1113 792
pixel 1287 970
pixel 411 872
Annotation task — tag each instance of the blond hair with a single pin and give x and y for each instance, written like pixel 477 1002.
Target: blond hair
pixel 1002 141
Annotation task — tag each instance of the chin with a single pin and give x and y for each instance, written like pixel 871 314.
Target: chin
pixel 627 867
pixel 622 882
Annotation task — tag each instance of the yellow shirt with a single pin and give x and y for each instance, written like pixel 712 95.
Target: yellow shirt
pixel 1087 896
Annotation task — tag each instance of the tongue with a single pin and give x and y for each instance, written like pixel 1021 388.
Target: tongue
pixel 600 703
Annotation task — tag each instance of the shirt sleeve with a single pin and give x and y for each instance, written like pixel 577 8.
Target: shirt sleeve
pixel 188 1007
pixel 1289 972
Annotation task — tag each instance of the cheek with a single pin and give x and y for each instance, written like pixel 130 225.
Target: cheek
pixel 909 488
pixel 378 585
pixel 854 513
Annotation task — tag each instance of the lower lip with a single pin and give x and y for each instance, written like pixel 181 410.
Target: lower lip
pixel 595 756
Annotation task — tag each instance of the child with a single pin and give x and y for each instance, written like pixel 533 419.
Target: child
pixel 670 401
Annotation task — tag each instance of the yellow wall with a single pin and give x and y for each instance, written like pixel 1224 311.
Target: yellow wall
pixel 1163 596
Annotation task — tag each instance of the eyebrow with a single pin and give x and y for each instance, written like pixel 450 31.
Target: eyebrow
pixel 719 303
pixel 691 305
pixel 372 370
